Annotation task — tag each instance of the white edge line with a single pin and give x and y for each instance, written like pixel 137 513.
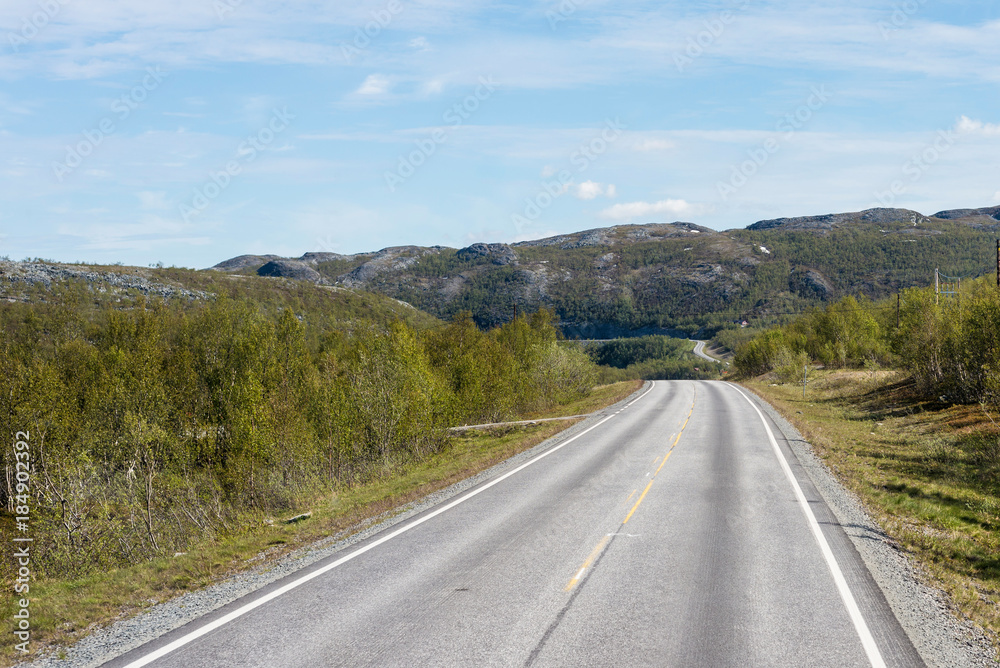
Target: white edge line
pixel 242 610
pixel 648 390
pixel 867 640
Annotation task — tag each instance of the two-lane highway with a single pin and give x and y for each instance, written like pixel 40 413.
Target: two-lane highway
pixel 676 531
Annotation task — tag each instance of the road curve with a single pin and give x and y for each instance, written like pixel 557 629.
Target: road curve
pixel 699 350
pixel 677 531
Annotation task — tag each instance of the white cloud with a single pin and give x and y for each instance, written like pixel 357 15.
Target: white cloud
pixel 966 125
pixel 592 190
pixel 420 44
pixel 630 210
pixel 375 84
pixel 996 196
pixel 653 145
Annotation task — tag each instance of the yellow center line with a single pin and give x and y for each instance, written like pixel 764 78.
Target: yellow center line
pixel 595 553
pixel 665 458
pixel 641 497
pixel 664 461
pixel 590 559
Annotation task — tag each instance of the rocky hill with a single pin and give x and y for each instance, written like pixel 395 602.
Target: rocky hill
pixel 17 279
pixel 661 277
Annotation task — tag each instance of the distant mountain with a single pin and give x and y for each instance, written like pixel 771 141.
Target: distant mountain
pixel 664 277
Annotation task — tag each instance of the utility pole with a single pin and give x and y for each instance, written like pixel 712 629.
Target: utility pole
pixel 805 371
pixel 937 286
pixel 998 263
pixel 898 299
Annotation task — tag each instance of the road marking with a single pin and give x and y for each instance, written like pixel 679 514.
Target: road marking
pixel 665 458
pixel 253 605
pixel 867 640
pixel 596 552
pixel 641 497
pixel 604 541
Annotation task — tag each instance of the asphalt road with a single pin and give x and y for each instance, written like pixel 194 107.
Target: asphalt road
pixel 699 350
pixel 679 531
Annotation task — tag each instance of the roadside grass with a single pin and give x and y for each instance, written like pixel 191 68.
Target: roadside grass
pixel 927 471
pixel 63 612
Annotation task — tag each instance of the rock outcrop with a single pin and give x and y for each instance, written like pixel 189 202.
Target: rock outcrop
pixel 495 253
pixel 294 269
pixel 810 284
pixel 41 273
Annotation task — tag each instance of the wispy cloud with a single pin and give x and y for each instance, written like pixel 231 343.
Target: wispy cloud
pixel 152 200
pixel 647 145
pixel 375 84
pixel 631 210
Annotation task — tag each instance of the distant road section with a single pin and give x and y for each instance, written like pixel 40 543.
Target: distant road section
pixel 699 350
pixel 679 530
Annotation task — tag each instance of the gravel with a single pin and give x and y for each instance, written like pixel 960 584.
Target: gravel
pixel 941 638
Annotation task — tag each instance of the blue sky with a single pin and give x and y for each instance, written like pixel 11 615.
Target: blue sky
pixel 191 131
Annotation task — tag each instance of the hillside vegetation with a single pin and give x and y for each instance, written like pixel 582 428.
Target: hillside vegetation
pixel 650 357
pixel 950 345
pixel 632 280
pixel 159 422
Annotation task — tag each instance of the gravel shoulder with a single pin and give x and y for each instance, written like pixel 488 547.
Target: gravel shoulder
pixel 123 636
pixel 941 638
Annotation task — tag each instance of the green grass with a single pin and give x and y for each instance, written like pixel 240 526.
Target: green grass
pixel 65 611
pixel 929 473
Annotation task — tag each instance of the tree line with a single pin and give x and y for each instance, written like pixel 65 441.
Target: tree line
pixel 950 344
pixel 156 424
